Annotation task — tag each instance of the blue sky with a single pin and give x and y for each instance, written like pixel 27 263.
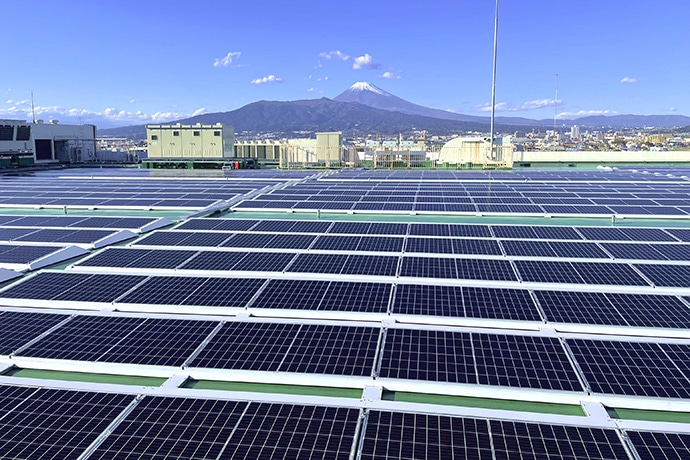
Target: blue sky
pixel 133 62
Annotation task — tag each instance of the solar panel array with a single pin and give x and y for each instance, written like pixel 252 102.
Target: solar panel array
pixel 500 311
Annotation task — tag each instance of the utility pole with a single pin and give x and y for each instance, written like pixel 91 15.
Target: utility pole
pixel 555 108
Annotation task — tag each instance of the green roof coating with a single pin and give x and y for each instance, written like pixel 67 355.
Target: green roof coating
pixel 269 388
pixel 649 415
pixel 86 377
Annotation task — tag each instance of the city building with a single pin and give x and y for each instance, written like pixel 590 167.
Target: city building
pixel 190 141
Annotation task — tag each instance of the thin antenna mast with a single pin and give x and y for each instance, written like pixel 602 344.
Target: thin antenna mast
pixel 33 109
pixel 555 108
pixel 493 84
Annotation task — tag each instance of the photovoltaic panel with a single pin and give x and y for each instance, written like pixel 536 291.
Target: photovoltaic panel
pixel 9 233
pixel 160 342
pixel 556 233
pixel 646 234
pixel 248 240
pixel 163 238
pixel 114 257
pixel 44 285
pixel 683 234
pixel 337 243
pixel 352 228
pixel 291 241
pixel 215 260
pixel 541 271
pixel 629 368
pixel 521 440
pixel 287 432
pixel 18 328
pixel 428 267
pixel 20 254
pixel 160 258
pixel 438 356
pixel 318 263
pixel 66 236
pixel 356 296
pixel 387 228
pixel 680 252
pixel 651 310
pixel 634 251
pixel 679 354
pixel 476 246
pixel 660 446
pixel 292 294
pixel 514 231
pixel 164 290
pixel 603 233
pixel 100 288
pixel 58 424
pixel 421 299
pixel 485 269
pixel 85 338
pixel 579 308
pixel 429 245
pixel 438 230
pixel 234 224
pixel 358 264
pixel 201 429
pixel 264 262
pixel 471 231
pixel 492 303
pixel 334 350
pixel 527 248
pixel 666 275
pixel 568 249
pixel 381 244
pixel 524 362
pixel 248 346
pixel 397 435
pixel 224 292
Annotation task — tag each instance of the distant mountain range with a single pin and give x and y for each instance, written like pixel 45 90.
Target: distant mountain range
pixel 364 109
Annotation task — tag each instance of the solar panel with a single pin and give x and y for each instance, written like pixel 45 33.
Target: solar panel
pixel 85 338
pixel 420 299
pixel 20 254
pixel 651 310
pixel 292 294
pixel 629 368
pixel 334 350
pixel 679 252
pixel 520 440
pixel 472 231
pixel 353 228
pixel 386 228
pixel 248 346
pixel 541 271
pixel 160 342
pixel 224 292
pixel 100 288
pixel 396 435
pixel 318 263
pixel 356 296
pixel 234 224
pixel 44 285
pixel 556 233
pixel 380 244
pixel 527 248
pixel 579 308
pixel 58 423
pixel 524 362
pixel 492 303
pixel 18 328
pixel 215 260
pixel 183 428
pixel 514 231
pixel 285 431
pixel 660 446
pixel 358 264
pixel 9 233
pixel 438 230
pixel 337 243
pixel 428 267
pixel 163 238
pixel 67 236
pixel 439 356
pixel 164 290
pixel 479 247
pixel 666 275
pixel 574 250
pixel 485 269
pixel 683 234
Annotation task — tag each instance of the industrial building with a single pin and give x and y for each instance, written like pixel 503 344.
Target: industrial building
pixel 190 141
pixel 23 143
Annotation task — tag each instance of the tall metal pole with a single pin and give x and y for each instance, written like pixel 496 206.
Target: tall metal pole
pixel 493 83
pixel 555 108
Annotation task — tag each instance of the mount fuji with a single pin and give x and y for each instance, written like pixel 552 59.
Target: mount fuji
pixel 370 95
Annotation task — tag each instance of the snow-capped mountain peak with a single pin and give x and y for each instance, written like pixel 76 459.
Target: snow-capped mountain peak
pixel 366 86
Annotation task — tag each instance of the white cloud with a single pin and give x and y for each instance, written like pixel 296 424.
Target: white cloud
pixel 672 109
pixel 200 111
pixel 108 116
pixel 334 54
pixel 628 80
pixel 390 76
pixel 267 79
pixel 528 105
pixel 227 60
pixel 322 79
pixel 364 62
pixel 586 113
pixel 132 101
pixel 314 90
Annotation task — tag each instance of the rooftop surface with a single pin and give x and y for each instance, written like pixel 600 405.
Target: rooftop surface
pixel 353 314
